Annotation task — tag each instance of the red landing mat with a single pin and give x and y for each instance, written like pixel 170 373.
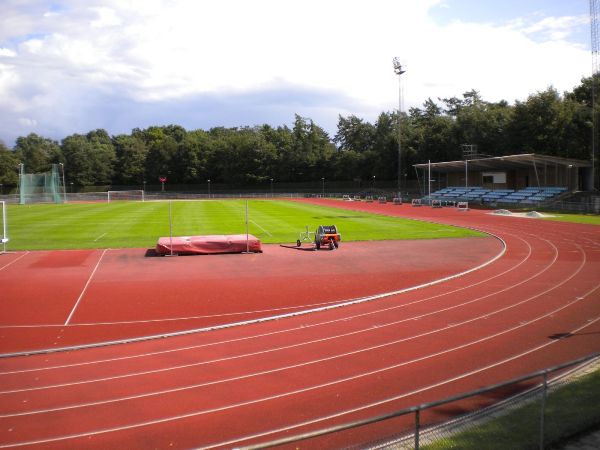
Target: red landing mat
pixel 211 244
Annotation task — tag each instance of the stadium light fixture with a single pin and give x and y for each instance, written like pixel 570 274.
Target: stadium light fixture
pixel 323 187
pixel 208 181
pixel 271 187
pixel 399 70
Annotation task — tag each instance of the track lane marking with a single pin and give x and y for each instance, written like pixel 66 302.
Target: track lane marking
pixel 299 391
pixel 321 340
pixel 14 260
pixel 288 330
pixel 85 287
pixel 398 397
pixel 263 319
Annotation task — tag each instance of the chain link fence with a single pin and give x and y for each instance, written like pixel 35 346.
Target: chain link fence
pixel 529 412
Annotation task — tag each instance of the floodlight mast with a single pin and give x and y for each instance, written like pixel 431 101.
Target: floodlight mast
pixel 399 71
pixel 594 12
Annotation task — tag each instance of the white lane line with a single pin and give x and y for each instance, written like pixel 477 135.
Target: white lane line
pixel 315 387
pixel 385 344
pixel 329 358
pixel 398 397
pixel 85 287
pixel 288 330
pixel 101 236
pixel 268 318
pixel 261 228
pixel 14 260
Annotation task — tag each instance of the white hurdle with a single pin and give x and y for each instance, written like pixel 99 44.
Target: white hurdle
pixel 462 206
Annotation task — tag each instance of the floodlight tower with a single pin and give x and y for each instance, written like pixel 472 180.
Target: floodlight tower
pixel 399 71
pixel 595 75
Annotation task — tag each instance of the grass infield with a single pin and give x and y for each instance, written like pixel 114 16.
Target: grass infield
pixel 576 218
pixel 140 224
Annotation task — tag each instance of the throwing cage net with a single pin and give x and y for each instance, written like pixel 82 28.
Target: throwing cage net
pixel 40 187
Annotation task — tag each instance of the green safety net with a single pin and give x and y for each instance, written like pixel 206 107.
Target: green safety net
pixel 40 187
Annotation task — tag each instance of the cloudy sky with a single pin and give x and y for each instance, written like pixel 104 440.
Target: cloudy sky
pixel 70 66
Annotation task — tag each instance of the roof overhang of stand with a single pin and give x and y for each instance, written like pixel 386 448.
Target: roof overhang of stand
pixel 511 162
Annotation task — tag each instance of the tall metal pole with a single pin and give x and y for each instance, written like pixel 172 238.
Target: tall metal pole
pixel 399 71
pixel 594 11
pixel 429 180
pixel 64 187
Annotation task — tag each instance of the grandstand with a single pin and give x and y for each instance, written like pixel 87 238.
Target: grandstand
pixel 517 180
pixel 476 194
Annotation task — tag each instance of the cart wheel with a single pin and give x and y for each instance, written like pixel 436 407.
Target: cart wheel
pixel 336 243
pixel 318 244
pixel 331 246
pixel 298 243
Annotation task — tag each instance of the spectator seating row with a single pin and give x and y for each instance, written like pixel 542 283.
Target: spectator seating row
pixel 529 195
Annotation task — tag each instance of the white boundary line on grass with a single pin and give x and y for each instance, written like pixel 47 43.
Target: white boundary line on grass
pixel 86 286
pixel 261 227
pixel 101 236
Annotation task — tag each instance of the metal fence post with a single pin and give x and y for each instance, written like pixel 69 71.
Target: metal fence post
pixel 417 427
pixel 544 390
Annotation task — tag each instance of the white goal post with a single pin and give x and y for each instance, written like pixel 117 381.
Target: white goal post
pixel 132 196
pixel 4 228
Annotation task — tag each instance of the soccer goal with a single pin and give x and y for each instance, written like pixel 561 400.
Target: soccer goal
pixel 3 227
pixel 131 196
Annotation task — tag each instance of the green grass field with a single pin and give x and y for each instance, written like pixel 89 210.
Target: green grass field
pixel 575 218
pixel 139 225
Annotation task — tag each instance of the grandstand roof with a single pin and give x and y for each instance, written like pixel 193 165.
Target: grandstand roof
pixel 504 163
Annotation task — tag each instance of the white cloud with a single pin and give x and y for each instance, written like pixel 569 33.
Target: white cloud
pixel 157 51
pixel 107 17
pixel 6 52
pixel 27 122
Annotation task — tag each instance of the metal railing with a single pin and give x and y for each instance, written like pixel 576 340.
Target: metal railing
pixel 531 396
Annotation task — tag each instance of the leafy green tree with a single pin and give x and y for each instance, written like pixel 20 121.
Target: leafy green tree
pixel 89 159
pixel 160 158
pixel 37 153
pixel 8 167
pixel 537 124
pixel 354 134
pixel 79 168
pixel 130 153
pixel 434 136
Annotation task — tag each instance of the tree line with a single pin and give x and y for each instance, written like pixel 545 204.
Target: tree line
pixel 545 123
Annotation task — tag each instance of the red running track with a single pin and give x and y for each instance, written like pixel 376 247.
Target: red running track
pixel 235 386
pixel 55 299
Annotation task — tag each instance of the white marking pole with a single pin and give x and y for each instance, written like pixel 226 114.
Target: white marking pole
pixel 247 234
pixel 4 227
pixel 170 229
